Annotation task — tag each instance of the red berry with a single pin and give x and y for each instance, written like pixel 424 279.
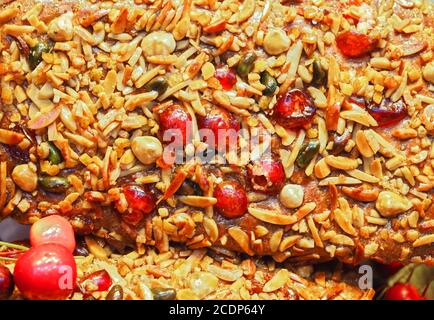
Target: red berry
pixel 403 291
pixel 393 267
pixel 267 175
pixel 53 229
pixel 388 113
pixel 141 202
pixel 354 44
pixel 176 119
pixel 231 199
pixel 6 283
pixel 294 109
pixel 223 125
pixel 96 281
pixel 226 77
pixel 46 272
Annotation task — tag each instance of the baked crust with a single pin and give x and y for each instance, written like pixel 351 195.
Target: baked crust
pixel 369 196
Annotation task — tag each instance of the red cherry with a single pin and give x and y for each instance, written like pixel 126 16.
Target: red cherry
pixel 46 272
pixel 6 283
pixel 354 44
pixel 53 229
pixel 388 113
pixel 226 77
pixel 294 109
pixel 141 202
pixel 231 199
pixel 393 267
pixel 176 118
pixel 96 281
pixel 267 175
pixel 403 291
pixel 222 124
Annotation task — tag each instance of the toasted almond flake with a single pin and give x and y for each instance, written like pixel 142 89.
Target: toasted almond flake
pixel 359 116
pixel 230 275
pixel 223 100
pixel 241 238
pixel 339 180
pixel 17 30
pixel 94 248
pixel 342 163
pixel 376 220
pixel 358 174
pixel 3 173
pixel 288 242
pixel 342 240
pixel 424 240
pixel 271 216
pixel 138 99
pixel 321 169
pixel 198 201
pixel 275 239
pixel 370 249
pixel 363 145
pixel 79 139
pixel 295 150
pixel 211 228
pixel 293 56
pixel 344 220
pixel 277 281
pixel 314 231
pixel 174 89
pixel 148 76
pixel 10 137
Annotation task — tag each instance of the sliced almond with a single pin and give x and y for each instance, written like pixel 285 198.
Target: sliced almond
pixel 241 238
pixel 342 163
pixel 198 201
pixel 363 145
pixel 279 279
pixel 272 217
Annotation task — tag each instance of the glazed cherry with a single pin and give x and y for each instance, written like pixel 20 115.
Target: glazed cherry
pixel 403 291
pixel 96 281
pixel 141 202
pixel 53 229
pixel 388 113
pixel 6 283
pixel 267 175
pixel 226 77
pixel 393 267
pixel 223 125
pixel 176 119
pixel 46 272
pixel 354 44
pixel 294 109
pixel 231 199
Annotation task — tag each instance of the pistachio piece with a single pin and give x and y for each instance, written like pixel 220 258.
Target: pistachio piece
pixel 246 64
pixel 390 204
pixel 147 149
pixel 307 152
pixel 158 84
pixel 25 177
pixel 319 76
pixel 163 293
pixel 276 42
pixel 53 184
pixel 35 54
pixel 269 82
pixel 115 293
pixel 54 154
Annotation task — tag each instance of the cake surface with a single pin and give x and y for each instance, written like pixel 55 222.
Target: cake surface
pixel 110 114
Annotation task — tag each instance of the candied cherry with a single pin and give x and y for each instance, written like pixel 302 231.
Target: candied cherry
pixel 231 199
pixel 222 124
pixel 46 272
pixel 388 113
pixel 174 117
pixel 97 281
pixel 353 44
pixel 267 175
pixel 403 291
pixel 141 202
pixel 226 77
pixel 53 229
pixel 6 283
pixel 294 109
